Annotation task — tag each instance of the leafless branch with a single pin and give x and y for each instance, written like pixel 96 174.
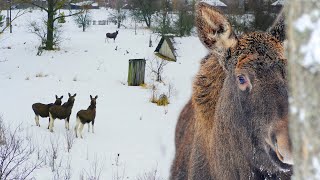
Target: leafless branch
pixel 15 154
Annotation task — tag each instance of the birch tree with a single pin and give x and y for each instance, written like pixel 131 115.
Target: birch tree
pixel 303 53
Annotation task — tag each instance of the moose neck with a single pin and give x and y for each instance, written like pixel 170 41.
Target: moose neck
pixel 68 104
pixel 92 106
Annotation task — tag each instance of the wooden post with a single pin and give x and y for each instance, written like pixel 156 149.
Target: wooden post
pixel 136 72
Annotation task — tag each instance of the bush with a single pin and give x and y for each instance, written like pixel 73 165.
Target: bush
pixel 163 100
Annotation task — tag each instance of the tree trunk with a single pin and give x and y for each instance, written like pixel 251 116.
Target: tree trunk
pixel 304 82
pixel 50 25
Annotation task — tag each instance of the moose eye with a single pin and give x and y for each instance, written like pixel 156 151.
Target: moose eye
pixel 242 79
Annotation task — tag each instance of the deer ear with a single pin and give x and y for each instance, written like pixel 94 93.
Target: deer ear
pixel 69 94
pixel 57 97
pixel 96 97
pixel 91 97
pixel 214 29
pixel 74 94
pixel 278 29
pixel 61 97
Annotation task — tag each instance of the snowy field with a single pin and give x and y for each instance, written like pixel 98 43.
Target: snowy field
pixel 126 123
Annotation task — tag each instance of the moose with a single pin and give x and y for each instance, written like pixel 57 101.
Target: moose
pixel 235 126
pixel 86 116
pixel 42 110
pixel 112 36
pixel 61 112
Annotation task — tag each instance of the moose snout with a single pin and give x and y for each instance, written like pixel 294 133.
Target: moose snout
pixel 280 142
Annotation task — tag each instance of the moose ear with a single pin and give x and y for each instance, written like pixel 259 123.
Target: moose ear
pixel 96 97
pixel 278 29
pixel 69 94
pixel 214 29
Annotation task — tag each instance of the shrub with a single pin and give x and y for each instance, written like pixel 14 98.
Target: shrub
pixel 163 100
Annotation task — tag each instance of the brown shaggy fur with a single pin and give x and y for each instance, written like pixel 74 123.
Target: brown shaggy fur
pixel 42 110
pixel 232 130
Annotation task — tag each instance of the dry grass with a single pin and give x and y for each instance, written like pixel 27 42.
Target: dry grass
pixel 27 78
pixel 163 100
pixel 41 75
pixel 144 86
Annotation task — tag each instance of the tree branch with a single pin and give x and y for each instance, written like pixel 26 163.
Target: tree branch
pixel 67 15
pixel 43 8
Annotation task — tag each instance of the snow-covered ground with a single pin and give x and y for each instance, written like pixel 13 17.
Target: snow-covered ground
pixel 126 122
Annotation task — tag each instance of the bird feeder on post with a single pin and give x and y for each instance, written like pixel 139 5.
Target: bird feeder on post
pixel 136 72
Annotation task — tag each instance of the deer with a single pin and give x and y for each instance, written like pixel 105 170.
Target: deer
pixel 86 116
pixel 42 110
pixel 61 112
pixel 111 36
pixel 235 125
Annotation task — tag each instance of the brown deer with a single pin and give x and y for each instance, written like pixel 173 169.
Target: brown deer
pixel 61 112
pixel 42 110
pixel 235 125
pixel 86 116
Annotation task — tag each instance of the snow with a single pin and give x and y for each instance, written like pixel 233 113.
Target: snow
pixel 316 164
pixel 214 2
pixel 126 123
pixel 85 3
pixel 311 49
pixel 278 3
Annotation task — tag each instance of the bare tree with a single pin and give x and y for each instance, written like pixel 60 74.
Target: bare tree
pixel 70 138
pixel 51 8
pixel 95 170
pixel 40 30
pixel 53 153
pixel 119 15
pixel 156 66
pixel 186 15
pixel 164 19
pixel 19 13
pixel 16 154
pixel 151 175
pixel 144 10
pixel 119 170
pixel 83 19
pixel 303 20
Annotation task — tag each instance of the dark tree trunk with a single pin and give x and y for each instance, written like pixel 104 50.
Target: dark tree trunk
pixel 50 25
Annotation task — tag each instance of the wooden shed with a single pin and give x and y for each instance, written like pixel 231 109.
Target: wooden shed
pixel 165 49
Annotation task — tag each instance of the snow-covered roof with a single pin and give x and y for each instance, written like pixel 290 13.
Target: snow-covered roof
pixel 83 3
pixel 278 2
pixel 214 2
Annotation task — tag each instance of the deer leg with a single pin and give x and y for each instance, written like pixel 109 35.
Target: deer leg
pixel 80 129
pixel 76 127
pixel 88 127
pixel 67 123
pixel 93 126
pixel 36 118
pixel 51 124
